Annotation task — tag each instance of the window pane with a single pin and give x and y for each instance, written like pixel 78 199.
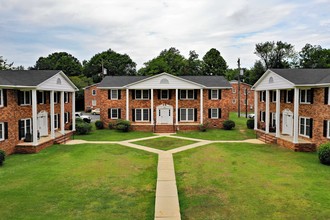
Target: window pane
pixel 138 114
pixel 190 94
pixel 190 114
pixel 145 114
pixel 302 95
pixel 1 131
pixel 27 97
pixel 164 94
pixel 138 94
pixel 183 94
pixel 214 94
pixel 183 115
pixel 114 94
pixel 309 95
pixel 28 126
pixel 145 94
pixel 214 113
pixel 114 113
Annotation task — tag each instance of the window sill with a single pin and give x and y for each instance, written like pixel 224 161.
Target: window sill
pixel 304 136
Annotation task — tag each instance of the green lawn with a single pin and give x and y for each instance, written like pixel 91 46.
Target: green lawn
pixel 246 181
pixel 79 182
pixel 164 143
pixel 239 133
pixel 112 135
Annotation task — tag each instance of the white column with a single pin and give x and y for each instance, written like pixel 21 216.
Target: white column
pixel 278 111
pixel 255 110
pixel 176 107
pixel 34 118
pixel 127 104
pixel 73 111
pixel 267 112
pixel 296 116
pixel 52 113
pixel 152 107
pixel 62 113
pixel 201 108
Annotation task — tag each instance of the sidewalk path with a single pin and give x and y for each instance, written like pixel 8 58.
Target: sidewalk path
pixel 167 201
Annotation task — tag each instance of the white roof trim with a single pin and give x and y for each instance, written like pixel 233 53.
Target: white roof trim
pixel 265 75
pixel 65 77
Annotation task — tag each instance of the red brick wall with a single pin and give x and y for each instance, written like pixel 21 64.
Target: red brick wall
pixel 234 96
pixel 318 111
pixel 88 97
pixel 12 113
pixel 133 104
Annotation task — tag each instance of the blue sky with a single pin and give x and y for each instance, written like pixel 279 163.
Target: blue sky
pixel 30 29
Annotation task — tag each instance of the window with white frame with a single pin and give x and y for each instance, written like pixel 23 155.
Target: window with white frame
pixel 142 114
pixel 289 96
pixel 186 94
pixel 114 94
pixel 305 126
pixel 273 121
pixel 1 98
pixel 214 113
pixel 233 90
pixel 114 113
pixel 2 131
pixel 93 102
pixel 214 94
pixel 305 96
pixel 26 98
pixel 187 114
pixel 25 127
pixel 328 96
pixel 262 116
pixel 93 92
pixel 164 94
pixel 142 94
pixel 66 97
pixel 56 121
pixel 273 95
pixel 56 97
pixel 328 129
pixel 41 97
pixel 262 96
pixel 66 117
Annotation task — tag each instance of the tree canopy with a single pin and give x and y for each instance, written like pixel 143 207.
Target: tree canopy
pixel 214 63
pixel 115 63
pixel 4 65
pixel 60 61
pixel 314 57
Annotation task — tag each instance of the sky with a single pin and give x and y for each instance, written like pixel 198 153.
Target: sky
pixel 30 29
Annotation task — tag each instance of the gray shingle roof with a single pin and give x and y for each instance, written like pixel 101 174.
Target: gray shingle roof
pixel 25 77
pixel 121 81
pixel 305 76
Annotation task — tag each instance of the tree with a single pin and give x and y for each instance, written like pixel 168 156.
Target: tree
pixel 275 55
pixel 60 61
pixel 113 62
pixel 253 75
pixel 194 65
pixel 4 65
pixel 169 61
pixel 314 57
pixel 214 64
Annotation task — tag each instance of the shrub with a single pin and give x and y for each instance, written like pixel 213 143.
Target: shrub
pixel 111 125
pixel 99 124
pixel 203 127
pixel 83 127
pixel 250 123
pixel 79 120
pixel 123 125
pixel 324 153
pixel 228 124
pixel 2 157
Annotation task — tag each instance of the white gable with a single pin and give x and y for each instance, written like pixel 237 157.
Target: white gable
pixel 165 81
pixel 58 83
pixel 272 81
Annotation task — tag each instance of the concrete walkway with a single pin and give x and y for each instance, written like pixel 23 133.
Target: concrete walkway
pixel 167 201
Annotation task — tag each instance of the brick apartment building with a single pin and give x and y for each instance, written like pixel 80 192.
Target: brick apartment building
pixel 292 107
pixel 246 97
pixel 35 109
pixel 165 103
pixel 91 98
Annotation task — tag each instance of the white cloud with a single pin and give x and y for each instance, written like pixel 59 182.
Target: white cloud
pixel 142 29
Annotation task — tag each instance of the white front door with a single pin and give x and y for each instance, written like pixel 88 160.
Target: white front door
pixel 164 114
pixel 287 127
pixel 43 123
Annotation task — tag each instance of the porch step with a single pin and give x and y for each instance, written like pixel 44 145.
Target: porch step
pixel 62 139
pixel 268 139
pixel 164 129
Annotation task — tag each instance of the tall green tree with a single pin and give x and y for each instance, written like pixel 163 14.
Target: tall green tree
pixel 115 64
pixel 193 65
pixel 275 55
pixel 170 61
pixel 252 75
pixel 60 61
pixel 214 63
pixel 314 57
pixel 4 65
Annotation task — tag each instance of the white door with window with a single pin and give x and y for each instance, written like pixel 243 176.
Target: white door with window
pixel 164 114
pixel 43 123
pixel 287 125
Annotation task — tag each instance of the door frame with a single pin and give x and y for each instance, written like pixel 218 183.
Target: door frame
pixel 287 114
pixel 158 118
pixel 42 115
